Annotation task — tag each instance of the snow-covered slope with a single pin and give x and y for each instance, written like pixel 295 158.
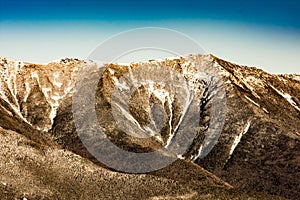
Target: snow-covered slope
pixel 33 92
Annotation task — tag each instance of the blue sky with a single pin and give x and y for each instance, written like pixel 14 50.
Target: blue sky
pixel 261 33
pixel 273 12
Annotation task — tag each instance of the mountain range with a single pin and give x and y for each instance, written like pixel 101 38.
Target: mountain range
pixel 238 130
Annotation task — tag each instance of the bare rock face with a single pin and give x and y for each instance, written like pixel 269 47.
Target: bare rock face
pixel 257 115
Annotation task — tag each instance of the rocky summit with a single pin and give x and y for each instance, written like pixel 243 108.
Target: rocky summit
pixel 220 130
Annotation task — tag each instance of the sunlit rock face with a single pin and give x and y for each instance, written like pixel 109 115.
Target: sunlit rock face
pixel 240 123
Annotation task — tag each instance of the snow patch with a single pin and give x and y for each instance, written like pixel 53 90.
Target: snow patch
pixel 34 75
pixel 16 110
pixel 68 90
pixel 266 111
pixel 187 105
pixel 161 94
pixel 56 98
pixel 134 81
pixel 11 83
pixel 121 86
pixel 290 100
pixel 27 88
pixel 296 77
pixel 287 97
pixel 164 96
pixel 238 139
pixel 131 119
pixel 252 101
pixel 46 91
pixel 228 82
pixel 55 82
pixel 8 112
pixel 111 71
pixel 194 157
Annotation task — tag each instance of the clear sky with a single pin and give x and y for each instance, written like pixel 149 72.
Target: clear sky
pixel 265 34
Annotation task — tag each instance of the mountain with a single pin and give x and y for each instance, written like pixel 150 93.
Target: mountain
pixel 259 147
pixel 236 130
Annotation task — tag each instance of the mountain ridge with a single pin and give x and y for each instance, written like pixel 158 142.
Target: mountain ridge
pixel 43 113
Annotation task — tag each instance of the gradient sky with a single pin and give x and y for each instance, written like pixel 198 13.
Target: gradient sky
pixel 265 34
